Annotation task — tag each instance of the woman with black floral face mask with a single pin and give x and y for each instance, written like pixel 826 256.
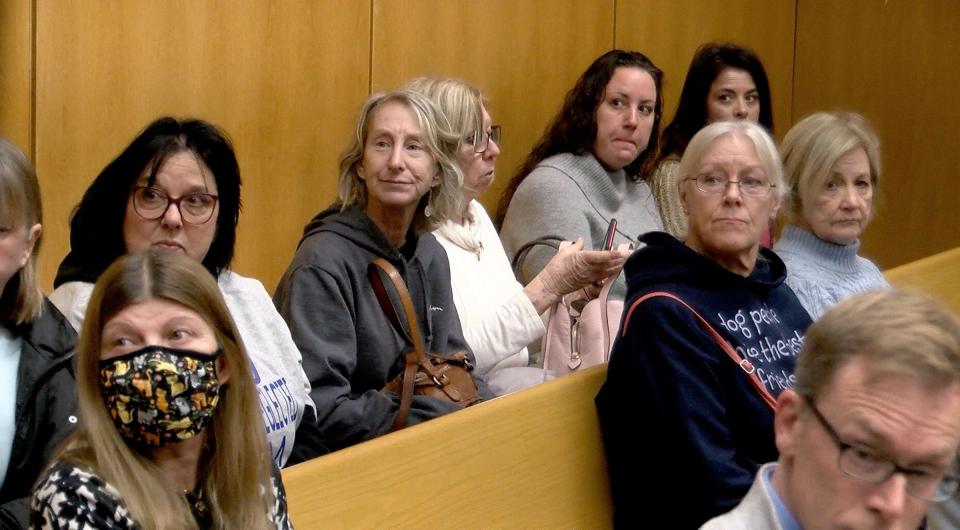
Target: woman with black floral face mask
pixel 161 377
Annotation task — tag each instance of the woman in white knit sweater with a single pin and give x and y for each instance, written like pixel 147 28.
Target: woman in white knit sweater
pixel 832 164
pixel 498 315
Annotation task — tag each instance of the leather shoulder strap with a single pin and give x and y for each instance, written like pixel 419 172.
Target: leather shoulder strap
pixel 413 338
pixel 521 254
pixel 744 364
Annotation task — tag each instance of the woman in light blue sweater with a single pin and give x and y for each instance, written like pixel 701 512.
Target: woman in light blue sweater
pixel 832 163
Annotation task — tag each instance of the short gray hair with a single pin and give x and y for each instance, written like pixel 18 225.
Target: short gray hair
pixel 762 142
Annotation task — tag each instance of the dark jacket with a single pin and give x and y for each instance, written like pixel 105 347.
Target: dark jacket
pixel 680 421
pixel 349 349
pixel 46 408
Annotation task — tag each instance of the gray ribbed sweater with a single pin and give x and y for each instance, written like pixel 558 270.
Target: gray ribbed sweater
pixel 823 273
pixel 574 196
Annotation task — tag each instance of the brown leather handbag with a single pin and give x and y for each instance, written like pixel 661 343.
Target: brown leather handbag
pixel 445 377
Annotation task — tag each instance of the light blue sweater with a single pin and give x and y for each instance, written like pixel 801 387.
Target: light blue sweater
pixel 823 273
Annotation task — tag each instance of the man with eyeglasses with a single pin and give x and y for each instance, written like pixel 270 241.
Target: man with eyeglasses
pixel 868 437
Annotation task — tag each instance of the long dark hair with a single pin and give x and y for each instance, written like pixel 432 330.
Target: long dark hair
pixel 96 226
pixel 691 116
pixel 574 128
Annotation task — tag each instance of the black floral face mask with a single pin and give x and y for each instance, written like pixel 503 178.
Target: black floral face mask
pixel 158 396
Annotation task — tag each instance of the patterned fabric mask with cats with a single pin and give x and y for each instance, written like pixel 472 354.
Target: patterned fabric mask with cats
pixel 158 396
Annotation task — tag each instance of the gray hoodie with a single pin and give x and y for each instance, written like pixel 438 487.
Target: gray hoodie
pixel 349 349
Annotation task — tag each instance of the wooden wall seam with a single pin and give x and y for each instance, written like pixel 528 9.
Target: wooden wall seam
pixel 32 149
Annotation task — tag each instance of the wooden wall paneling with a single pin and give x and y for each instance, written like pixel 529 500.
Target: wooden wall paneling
pixel 282 78
pixel 896 63
pixel 16 72
pixel 670 31
pixel 524 56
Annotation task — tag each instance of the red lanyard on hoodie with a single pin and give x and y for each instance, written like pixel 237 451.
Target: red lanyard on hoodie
pixel 744 364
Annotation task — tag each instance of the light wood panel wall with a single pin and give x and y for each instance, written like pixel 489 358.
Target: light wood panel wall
pixel 670 31
pixel 895 62
pixel 284 79
pixel 524 56
pixel 16 72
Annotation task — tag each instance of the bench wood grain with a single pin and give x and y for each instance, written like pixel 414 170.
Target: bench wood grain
pixel 937 275
pixel 533 459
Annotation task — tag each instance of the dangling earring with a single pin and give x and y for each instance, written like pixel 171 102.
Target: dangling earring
pixel 428 211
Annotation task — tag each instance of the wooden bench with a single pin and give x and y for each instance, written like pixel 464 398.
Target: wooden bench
pixel 937 275
pixel 533 459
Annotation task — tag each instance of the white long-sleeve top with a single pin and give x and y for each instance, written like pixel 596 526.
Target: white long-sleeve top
pixel 498 319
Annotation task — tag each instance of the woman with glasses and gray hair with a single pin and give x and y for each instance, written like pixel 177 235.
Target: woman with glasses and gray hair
pixel 832 164
pixel 500 317
pixel 176 188
pixel 709 337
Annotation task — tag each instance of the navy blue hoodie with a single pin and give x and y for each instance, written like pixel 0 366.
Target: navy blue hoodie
pixel 681 424
pixel 349 349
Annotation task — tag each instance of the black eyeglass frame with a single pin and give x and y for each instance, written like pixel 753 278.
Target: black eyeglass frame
pixel 940 493
pixel 136 190
pixel 481 140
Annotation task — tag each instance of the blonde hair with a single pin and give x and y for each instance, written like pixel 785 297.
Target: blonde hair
pixel 460 102
pixel 894 332
pixel 236 467
pixel 441 143
pixel 21 300
pixel 812 147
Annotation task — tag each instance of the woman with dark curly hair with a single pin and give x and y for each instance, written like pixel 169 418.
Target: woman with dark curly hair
pixel 590 165
pixel 724 82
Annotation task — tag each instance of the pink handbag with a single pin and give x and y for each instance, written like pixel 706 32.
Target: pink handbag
pixel 580 333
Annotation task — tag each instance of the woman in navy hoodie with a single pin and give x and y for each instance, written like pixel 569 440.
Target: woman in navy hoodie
pixel 683 421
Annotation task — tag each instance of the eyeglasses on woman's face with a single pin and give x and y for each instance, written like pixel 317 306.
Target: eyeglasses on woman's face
pixel 750 186
pixel 152 203
pixel 481 142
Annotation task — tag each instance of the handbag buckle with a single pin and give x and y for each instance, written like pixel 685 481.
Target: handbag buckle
pixel 747 366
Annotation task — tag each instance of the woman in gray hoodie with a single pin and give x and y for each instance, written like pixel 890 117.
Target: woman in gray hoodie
pixel 398 181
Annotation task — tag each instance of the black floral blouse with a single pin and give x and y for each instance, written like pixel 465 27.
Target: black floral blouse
pixel 72 498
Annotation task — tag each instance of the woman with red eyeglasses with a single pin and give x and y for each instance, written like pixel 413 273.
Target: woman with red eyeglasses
pixel 176 188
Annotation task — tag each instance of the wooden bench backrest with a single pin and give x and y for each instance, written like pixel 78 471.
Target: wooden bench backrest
pixel 937 275
pixel 533 459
